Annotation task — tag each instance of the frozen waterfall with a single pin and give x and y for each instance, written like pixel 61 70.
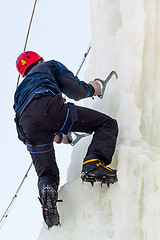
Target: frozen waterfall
pixel 125 38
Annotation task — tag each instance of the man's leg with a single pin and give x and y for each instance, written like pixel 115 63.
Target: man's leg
pixel 39 138
pixel 48 181
pixel 105 132
pixel 46 169
pixel 102 146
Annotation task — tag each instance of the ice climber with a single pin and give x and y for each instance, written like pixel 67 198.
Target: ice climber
pixel 43 117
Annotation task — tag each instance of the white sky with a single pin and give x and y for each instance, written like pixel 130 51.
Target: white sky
pixel 61 31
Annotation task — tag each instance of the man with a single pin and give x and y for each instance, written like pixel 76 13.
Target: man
pixel 42 116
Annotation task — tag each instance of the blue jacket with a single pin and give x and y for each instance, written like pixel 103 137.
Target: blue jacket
pixel 54 76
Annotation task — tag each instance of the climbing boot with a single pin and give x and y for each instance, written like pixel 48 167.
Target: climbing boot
pixel 48 199
pixel 94 170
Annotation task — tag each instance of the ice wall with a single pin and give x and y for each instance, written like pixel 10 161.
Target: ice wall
pixel 125 38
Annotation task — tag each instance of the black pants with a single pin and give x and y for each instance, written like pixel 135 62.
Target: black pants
pixel 47 115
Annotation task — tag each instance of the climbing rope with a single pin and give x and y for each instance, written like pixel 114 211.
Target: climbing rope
pixel 84 58
pixel 6 213
pixel 29 28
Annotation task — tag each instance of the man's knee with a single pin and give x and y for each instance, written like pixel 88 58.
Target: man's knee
pixel 112 124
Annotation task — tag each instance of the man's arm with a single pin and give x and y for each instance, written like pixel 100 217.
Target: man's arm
pixel 71 85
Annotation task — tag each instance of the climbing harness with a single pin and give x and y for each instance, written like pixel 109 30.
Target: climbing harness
pixel 42 148
pixel 73 114
pixel 30 98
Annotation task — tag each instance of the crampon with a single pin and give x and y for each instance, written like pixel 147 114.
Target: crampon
pixel 92 178
pixel 49 199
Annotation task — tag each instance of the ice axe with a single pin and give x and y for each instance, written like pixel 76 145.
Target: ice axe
pixel 104 82
pixel 78 137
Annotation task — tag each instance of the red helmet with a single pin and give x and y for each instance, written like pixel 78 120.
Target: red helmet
pixel 25 60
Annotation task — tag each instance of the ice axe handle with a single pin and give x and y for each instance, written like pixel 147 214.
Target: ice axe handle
pixel 104 82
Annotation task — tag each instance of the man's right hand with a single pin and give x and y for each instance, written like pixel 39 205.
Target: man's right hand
pixel 97 87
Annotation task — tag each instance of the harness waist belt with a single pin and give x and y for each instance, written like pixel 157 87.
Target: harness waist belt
pixel 42 91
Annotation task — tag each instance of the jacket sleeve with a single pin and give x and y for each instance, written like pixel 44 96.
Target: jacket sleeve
pixel 71 86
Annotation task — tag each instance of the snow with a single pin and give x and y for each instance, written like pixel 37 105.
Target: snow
pixel 125 38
